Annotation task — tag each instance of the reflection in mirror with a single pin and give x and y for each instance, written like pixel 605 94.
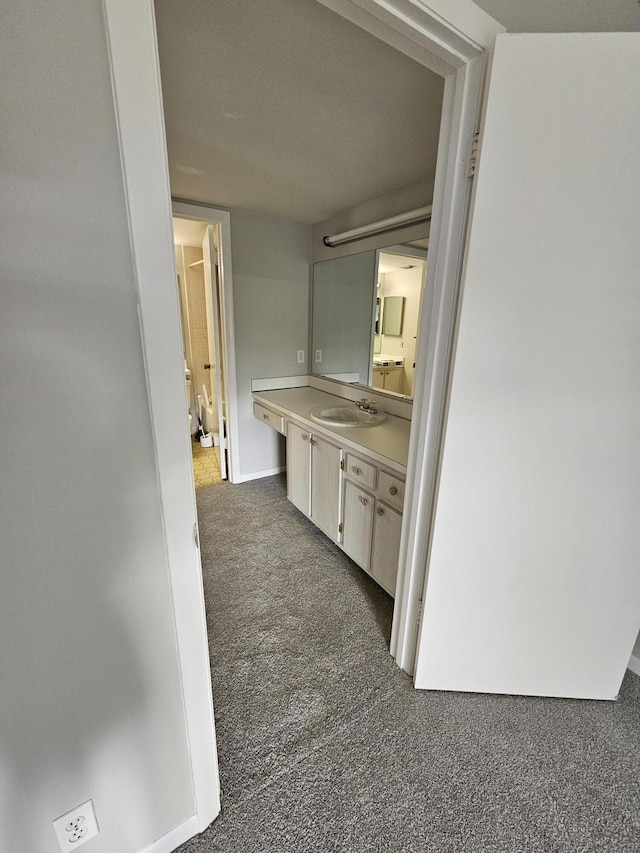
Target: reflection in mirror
pixel 366 310
pixel 377 327
pixel 393 308
pixel 343 315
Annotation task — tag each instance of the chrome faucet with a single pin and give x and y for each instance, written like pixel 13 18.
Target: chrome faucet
pixel 367 406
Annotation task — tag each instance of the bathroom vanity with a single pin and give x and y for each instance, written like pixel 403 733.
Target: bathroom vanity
pixel 347 478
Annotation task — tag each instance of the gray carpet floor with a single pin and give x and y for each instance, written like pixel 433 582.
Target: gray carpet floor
pixel 324 745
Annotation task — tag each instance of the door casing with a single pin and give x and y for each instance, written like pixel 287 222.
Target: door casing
pixel 450 39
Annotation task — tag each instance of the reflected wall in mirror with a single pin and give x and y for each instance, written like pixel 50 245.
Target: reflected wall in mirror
pixel 366 310
pixel 393 310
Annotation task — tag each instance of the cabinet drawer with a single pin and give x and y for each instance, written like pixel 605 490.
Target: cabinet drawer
pixel 391 490
pixel 360 472
pixel 268 417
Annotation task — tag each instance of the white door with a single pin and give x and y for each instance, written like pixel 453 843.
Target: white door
pixel 533 583
pixel 212 299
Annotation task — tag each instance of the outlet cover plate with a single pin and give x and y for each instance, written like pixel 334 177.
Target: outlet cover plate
pixel 75 827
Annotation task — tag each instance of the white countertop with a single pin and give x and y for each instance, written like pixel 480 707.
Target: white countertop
pixel 388 442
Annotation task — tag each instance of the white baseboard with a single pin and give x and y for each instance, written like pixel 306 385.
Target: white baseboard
pixel 258 475
pixel 175 837
pixel 634 664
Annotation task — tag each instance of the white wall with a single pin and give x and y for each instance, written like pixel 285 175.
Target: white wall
pixel 90 703
pixel 636 648
pixel 271 258
pixel 533 582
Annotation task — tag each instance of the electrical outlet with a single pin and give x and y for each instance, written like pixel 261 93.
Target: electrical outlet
pixel 75 827
pixel 318 355
pixel 300 356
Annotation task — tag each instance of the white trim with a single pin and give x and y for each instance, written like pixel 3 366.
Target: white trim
pixel 258 475
pixel 131 37
pixel 222 218
pixel 435 344
pixel 175 837
pixel 634 664
pixel 442 35
pixel 279 382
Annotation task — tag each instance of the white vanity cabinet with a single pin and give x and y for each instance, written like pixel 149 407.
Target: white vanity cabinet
pixel 313 478
pixel 388 378
pixel 349 495
pixel 372 519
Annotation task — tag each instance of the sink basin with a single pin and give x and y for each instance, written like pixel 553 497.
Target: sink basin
pixel 346 416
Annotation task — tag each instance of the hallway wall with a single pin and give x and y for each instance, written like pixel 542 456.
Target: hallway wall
pixel 271 267
pixel 91 698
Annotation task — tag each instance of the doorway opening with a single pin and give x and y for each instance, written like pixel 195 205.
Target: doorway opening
pixel 400 279
pixel 453 47
pixel 198 251
pixel 421 116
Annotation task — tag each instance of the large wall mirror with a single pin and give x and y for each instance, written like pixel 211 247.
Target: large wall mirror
pixel 366 311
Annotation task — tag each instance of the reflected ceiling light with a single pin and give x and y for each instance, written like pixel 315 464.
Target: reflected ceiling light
pixel 411 217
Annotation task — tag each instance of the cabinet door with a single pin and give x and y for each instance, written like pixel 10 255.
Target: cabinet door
pixel 393 380
pixel 378 378
pixel 299 468
pixel 386 547
pixel 357 524
pixel 325 486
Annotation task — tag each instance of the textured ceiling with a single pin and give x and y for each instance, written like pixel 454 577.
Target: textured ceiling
pixel 283 107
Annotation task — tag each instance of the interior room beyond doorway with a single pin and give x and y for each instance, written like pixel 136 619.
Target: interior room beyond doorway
pixel 198 333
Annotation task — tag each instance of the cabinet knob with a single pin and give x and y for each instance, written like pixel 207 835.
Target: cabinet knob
pixel 305 437
pixel 393 490
pixel 380 511
pixel 364 501
pixel 355 470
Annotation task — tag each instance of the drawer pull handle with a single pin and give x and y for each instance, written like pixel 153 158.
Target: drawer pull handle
pixel 313 442
pixel 266 417
pixel 380 511
pixel 356 470
pixel 364 501
pixel 393 490
pixel 305 438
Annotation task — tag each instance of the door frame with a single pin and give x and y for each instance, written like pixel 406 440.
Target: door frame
pixel 453 40
pixel 221 220
pixel 448 37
